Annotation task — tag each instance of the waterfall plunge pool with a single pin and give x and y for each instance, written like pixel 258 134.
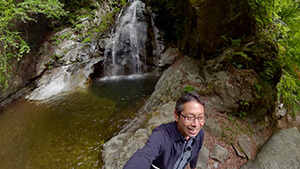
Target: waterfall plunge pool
pixel 69 130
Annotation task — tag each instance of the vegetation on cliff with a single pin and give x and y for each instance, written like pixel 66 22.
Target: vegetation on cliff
pixel 24 25
pixel 280 22
pixel 13 38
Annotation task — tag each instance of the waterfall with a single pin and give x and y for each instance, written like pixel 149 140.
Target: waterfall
pixel 126 53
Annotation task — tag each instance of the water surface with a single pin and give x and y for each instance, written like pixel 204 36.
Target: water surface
pixel 68 131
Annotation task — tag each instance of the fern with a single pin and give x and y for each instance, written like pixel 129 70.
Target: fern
pixel 289 92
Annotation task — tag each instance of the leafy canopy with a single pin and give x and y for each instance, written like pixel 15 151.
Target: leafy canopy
pixel 281 18
pixel 12 12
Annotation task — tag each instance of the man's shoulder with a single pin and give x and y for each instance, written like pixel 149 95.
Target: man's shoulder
pixel 165 127
pixel 167 130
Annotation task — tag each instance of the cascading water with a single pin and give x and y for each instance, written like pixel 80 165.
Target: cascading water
pixel 126 54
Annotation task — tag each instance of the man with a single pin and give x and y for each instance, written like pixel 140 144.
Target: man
pixel 174 145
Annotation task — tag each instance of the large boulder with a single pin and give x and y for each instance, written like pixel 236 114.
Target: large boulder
pixel 280 152
pixel 174 80
pixel 238 90
pixel 65 68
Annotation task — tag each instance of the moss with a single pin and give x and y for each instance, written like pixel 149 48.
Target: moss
pixel 86 40
pixel 195 2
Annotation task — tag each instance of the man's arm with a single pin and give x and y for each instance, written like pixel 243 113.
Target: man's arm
pixel 143 158
pixel 193 162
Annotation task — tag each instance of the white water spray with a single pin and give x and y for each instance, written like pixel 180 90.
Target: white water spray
pixel 126 53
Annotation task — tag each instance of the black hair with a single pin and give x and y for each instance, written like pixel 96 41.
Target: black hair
pixel 186 97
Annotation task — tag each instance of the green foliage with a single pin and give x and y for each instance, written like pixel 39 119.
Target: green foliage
pixel 240 60
pixel 235 42
pixel 270 70
pixel 56 57
pixel 56 40
pixel 194 2
pixel 243 55
pixel 242 114
pixel 281 20
pixel 288 92
pixel 79 27
pixel 189 88
pixel 244 107
pixel 289 41
pixel 87 32
pixel 239 66
pixel 86 40
pixel 230 117
pixel 122 2
pixel 12 45
pixel 257 87
pixel 77 7
pixel 51 8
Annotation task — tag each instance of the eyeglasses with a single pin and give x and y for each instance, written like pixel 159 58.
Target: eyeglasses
pixel 191 118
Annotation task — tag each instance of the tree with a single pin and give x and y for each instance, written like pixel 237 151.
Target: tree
pixel 288 22
pixel 12 13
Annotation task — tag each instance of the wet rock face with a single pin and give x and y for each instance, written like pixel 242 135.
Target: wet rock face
pixel 64 67
pixel 202 26
pixel 214 20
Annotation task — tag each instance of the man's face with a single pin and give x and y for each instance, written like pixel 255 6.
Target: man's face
pixel 190 128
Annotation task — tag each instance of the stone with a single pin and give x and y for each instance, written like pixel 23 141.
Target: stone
pixel 63 79
pixel 245 143
pixel 259 140
pixel 238 150
pixel 213 128
pixel 63 47
pixel 172 78
pixel 169 57
pixel 280 151
pixel 110 155
pixel 203 158
pixel 280 111
pixel 216 164
pixel 218 153
pixel 164 115
pixel 209 111
pixel 128 150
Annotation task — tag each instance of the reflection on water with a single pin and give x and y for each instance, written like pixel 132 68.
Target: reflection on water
pixel 68 131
